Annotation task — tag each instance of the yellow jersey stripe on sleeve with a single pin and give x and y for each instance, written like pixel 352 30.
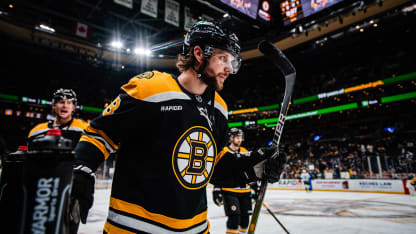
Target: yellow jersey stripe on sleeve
pixel 90 129
pixel 221 154
pixel 96 143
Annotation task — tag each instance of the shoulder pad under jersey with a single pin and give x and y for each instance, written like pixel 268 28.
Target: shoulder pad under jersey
pixel 154 86
pixel 243 150
pixel 38 129
pixel 78 125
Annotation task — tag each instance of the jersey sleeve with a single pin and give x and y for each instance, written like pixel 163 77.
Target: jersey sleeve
pixel 103 134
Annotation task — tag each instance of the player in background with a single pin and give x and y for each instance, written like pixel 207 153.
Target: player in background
pixel 236 200
pixel 167 131
pixel 64 103
pixel 411 185
pixel 305 178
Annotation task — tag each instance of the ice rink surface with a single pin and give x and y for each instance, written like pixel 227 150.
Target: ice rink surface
pixel 305 213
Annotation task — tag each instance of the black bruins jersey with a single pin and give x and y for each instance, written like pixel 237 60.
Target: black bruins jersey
pixel 235 184
pixel 167 141
pixel 71 130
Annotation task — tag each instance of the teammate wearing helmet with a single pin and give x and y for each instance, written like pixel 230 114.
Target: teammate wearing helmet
pixel 167 131
pixel 64 102
pixel 236 200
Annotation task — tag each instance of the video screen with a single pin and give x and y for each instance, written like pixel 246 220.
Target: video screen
pixel 247 7
pixel 293 10
pixel 313 6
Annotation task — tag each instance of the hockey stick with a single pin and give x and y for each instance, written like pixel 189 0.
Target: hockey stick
pixel 275 218
pixel 278 59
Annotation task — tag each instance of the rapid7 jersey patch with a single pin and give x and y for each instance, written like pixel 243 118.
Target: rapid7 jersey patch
pixel 193 157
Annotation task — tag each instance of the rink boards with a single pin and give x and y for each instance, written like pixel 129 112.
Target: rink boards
pixel 344 185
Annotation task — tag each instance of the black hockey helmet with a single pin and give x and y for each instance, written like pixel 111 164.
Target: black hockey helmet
pixel 64 94
pixel 236 132
pixel 209 35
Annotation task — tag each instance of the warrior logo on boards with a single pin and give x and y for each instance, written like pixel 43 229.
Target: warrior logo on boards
pixel 193 157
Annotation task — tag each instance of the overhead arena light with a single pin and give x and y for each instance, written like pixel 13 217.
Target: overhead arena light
pixel 142 51
pixel 116 44
pixel 45 28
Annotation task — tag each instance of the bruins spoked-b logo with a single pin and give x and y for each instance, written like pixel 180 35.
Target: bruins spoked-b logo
pixel 193 157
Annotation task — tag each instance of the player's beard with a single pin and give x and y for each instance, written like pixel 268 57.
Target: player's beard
pixel 212 81
pixel 237 143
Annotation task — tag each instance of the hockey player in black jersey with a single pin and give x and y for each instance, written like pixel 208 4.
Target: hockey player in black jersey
pixel 64 103
pixel 167 131
pixel 236 200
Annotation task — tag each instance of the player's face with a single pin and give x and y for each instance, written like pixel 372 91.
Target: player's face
pixel 219 68
pixel 64 109
pixel 237 140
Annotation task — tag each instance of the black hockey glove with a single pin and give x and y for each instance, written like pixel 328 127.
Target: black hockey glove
pixel 217 196
pixel 82 193
pixel 269 161
pixel 274 167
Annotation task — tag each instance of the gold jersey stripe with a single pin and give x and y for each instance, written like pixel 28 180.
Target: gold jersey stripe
pixel 103 134
pixel 159 218
pixel 231 231
pixel 220 101
pixel 221 154
pixel 207 231
pixel 247 190
pixel 109 228
pixel 96 143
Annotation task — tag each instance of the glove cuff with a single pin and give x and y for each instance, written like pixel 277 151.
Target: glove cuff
pixel 84 169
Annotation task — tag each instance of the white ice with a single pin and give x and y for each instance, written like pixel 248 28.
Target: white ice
pixel 302 212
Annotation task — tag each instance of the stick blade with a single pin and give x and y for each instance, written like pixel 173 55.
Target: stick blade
pixel 277 57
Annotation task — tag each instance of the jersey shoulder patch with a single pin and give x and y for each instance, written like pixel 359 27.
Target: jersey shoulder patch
pixel 154 86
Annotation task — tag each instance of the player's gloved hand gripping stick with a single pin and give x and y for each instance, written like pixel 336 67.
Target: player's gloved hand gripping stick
pixel 285 66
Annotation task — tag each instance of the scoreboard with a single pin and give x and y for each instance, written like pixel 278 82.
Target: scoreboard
pixel 294 10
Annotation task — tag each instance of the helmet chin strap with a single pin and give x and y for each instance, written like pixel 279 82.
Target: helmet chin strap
pixel 199 71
